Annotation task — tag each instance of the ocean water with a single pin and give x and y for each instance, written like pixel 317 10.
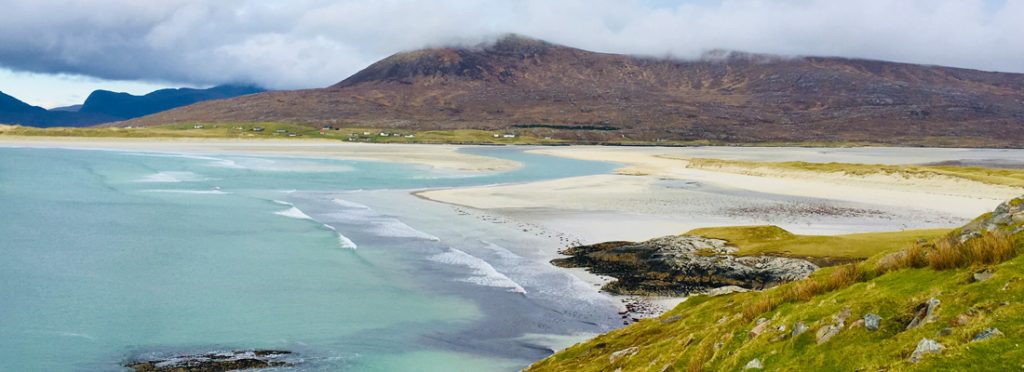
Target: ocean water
pixel 110 256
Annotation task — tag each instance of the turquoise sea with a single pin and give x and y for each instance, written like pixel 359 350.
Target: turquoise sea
pixel 110 256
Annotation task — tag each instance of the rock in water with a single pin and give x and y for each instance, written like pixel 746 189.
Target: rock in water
pixel 214 362
pixel 754 364
pixel 925 346
pixel 987 334
pixel 872 321
pixel 682 265
pixel 923 313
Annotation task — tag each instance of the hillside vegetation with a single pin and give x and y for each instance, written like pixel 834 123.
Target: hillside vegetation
pixel 950 303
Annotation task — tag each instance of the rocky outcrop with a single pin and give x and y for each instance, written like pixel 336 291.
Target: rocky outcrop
pixel 1008 217
pixel 682 265
pixel 214 362
pixel 923 313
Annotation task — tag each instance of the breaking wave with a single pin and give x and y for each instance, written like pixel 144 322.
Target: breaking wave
pixel 483 273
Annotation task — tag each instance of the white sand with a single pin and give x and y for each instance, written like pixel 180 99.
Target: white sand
pixel 655 193
pixel 443 157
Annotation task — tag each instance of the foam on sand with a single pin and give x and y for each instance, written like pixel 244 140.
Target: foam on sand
pixel 483 273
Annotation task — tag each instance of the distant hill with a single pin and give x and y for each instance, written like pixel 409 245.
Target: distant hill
pixel 584 96
pixel 124 105
pixel 105 106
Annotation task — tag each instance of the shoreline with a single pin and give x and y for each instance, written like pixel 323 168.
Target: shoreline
pixel 441 157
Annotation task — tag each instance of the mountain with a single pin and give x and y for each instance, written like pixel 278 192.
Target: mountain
pixel 124 105
pixel 72 108
pixel 105 106
pixel 14 111
pixel 574 94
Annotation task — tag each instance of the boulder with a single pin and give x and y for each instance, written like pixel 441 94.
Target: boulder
pixel 761 327
pixel 987 334
pixel 754 364
pixel 624 353
pixel 982 275
pixel 924 347
pixel 799 328
pixel 827 332
pixel 923 313
pixel 872 321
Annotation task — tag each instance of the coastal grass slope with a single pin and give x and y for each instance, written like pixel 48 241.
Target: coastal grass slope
pixel 952 303
pixel 755 240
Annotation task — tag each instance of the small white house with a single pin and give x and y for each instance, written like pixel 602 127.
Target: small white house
pixel 410 136
pixel 197 126
pixel 508 135
pixel 497 135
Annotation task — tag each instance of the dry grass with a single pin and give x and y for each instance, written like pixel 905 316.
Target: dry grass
pixel 702 356
pixel 763 304
pixel 912 257
pixel 843 277
pixel 989 248
pixel 803 290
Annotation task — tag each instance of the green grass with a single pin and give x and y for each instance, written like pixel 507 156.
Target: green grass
pixel 773 239
pixel 713 333
pixel 231 130
pixel 993 176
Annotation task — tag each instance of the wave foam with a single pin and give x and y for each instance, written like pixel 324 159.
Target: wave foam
pixel 184 191
pixel 483 273
pixel 292 211
pixel 171 177
pixel 343 240
pixel 376 223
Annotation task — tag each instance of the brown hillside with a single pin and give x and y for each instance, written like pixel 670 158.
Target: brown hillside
pixel 725 96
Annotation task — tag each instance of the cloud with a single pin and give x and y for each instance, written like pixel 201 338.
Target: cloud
pixel 314 43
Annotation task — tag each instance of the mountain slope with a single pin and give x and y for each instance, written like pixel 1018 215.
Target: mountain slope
pixel 105 106
pixel 588 96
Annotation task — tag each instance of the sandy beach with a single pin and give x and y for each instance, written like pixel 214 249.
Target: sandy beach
pixel 656 193
pixel 441 157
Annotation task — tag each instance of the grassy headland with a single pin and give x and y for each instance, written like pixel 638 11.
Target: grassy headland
pixel 972 278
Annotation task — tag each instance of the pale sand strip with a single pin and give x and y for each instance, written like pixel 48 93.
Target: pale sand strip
pixel 634 206
pixel 444 157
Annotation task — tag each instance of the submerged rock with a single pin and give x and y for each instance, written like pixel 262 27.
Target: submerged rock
pixel 214 362
pixel 925 346
pixel 681 265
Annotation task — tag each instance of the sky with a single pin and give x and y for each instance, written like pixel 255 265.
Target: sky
pixel 54 52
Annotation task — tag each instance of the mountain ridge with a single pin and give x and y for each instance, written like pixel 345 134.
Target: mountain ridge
pixel 726 97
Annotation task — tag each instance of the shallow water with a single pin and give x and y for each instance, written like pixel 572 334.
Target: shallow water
pixel 110 256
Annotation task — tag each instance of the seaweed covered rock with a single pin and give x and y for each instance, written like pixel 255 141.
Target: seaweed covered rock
pixel 681 265
pixel 213 362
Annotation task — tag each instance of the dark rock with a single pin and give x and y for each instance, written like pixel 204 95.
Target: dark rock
pixel 682 265
pixel 987 334
pixel 923 313
pixel 945 332
pixel 214 362
pixel 925 346
pixel 872 321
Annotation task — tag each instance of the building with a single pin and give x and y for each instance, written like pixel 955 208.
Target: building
pixel 197 126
